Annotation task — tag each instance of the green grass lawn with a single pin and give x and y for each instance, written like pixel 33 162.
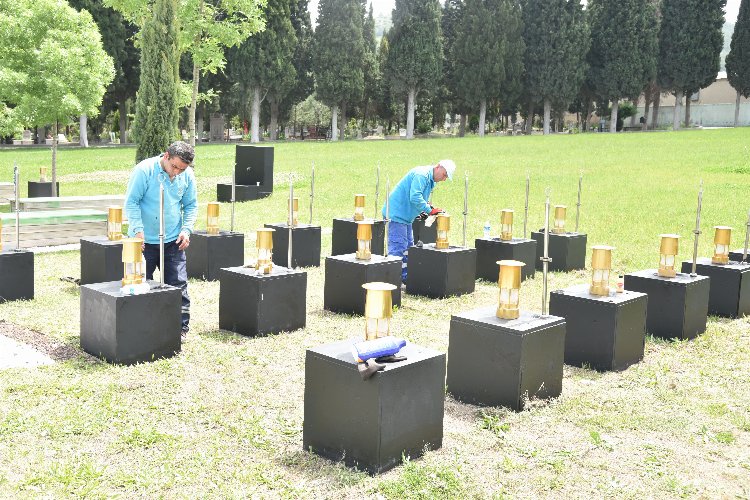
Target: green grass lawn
pixel 224 418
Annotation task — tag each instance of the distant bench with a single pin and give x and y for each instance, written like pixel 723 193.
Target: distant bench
pixel 60 227
pixel 98 202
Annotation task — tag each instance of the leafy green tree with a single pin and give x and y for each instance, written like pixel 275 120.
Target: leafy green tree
pixel 623 57
pixel 557 39
pixel 53 65
pixel 304 82
pixel 738 59
pixel 338 55
pixel 370 67
pixel 449 88
pixel 690 42
pixel 416 52
pixel 385 106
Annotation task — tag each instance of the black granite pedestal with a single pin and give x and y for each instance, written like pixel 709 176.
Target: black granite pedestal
pixel 254 165
pixel 16 275
pixel 438 273
pixel 736 255
pixel 371 424
pixel 730 286
pixel 505 362
pixel 208 253
pixel 567 251
pixel 345 275
pixel 603 333
pixel 344 236
pixel 101 260
pixel 39 189
pixel 491 250
pixel 305 245
pixel 677 307
pixel 252 303
pixel 128 329
pixel 425 234
pixel 241 192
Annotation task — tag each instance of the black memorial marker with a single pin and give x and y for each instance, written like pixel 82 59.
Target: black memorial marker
pixel 730 286
pixel 567 250
pixel 42 189
pixel 423 233
pixel 491 250
pixel 345 275
pixel 101 259
pixel 208 253
pixel 16 275
pixel 344 236
pixel 253 174
pixel 441 272
pixel 305 244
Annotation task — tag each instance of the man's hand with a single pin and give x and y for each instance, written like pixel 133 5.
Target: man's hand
pixel 183 241
pixel 436 211
pixel 143 240
pixel 422 216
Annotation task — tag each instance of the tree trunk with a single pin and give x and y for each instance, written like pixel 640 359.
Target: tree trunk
pixel 633 118
pixel 255 116
pixel 587 115
pixel 342 121
pixel 613 115
pixel 54 159
pixel 194 101
pixel 687 111
pixel 462 125
pixel 547 113
pixel 412 98
pixel 334 122
pixel 83 137
pixel 737 110
pixel 646 106
pixel 482 116
pixel 122 107
pixel 657 104
pixel 274 126
pixel 530 118
pixel 676 114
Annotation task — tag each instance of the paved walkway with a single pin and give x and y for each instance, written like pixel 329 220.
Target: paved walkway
pixel 14 354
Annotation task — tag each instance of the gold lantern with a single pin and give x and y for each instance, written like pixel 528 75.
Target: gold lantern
pixel 42 174
pixel 132 260
pixel 378 309
pixel 668 250
pixel 359 207
pixel 364 240
pixel 559 225
pixel 443 226
pixel 264 242
pixel 506 224
pixel 212 217
pixel 509 282
pixel 114 223
pixel 722 237
pixel 295 212
pixel 601 263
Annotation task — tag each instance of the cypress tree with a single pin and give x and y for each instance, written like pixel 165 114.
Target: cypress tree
pixel 416 53
pixel 304 81
pixel 370 68
pixel 449 88
pixel 738 59
pixel 155 123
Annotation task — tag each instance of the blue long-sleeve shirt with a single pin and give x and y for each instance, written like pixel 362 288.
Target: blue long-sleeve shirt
pixel 142 201
pixel 409 197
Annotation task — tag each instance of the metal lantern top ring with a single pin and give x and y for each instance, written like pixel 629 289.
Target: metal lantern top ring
pixel 509 283
pixel 378 309
pixel 506 224
pixel 359 207
pixel 722 239
pixel 668 250
pixel 559 219
pixel 601 264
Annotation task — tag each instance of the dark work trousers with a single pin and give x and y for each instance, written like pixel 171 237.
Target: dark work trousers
pixel 400 238
pixel 175 272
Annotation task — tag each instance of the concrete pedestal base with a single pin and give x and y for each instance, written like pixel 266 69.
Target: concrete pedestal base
pixel 344 237
pixel 604 333
pixel 42 189
pixel 345 275
pixel 491 250
pixel 305 245
pixel 501 362
pixel 441 273
pixel 425 234
pixel 16 275
pixel 371 424
pixel 242 192
pixel 128 329
pixel 208 253
pixel 730 286
pixel 677 307
pixel 254 304
pixel 567 251
pixel 101 260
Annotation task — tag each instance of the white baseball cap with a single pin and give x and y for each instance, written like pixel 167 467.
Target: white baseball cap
pixel 449 167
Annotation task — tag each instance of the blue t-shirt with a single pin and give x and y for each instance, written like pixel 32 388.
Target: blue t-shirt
pixel 409 197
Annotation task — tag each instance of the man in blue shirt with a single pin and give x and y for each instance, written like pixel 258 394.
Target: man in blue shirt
pixel 172 171
pixel 409 200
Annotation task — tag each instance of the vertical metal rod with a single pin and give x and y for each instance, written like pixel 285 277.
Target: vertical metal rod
pixel 747 238
pixel 377 191
pixel 526 209
pixel 161 233
pixel 545 258
pixel 312 191
pixel 578 205
pixel 697 230
pixel 387 214
pixel 466 203
pixel 234 183
pixel 290 222
pixel 17 194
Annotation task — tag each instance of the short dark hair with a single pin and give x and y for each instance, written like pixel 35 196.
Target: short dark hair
pixel 182 150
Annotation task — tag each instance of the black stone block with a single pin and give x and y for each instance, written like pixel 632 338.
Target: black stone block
pixel 344 236
pixel 241 192
pixel 101 260
pixel 345 275
pixel 254 165
pixel 677 307
pixel 490 250
pixel 438 273
pixel 371 424
pixel 504 362
pixel 251 303
pixel 736 255
pixel 730 286
pixel 305 245
pixel 567 251
pixel 16 275
pixel 42 189
pixel 425 234
pixel 605 333
pixel 208 253
pixel 128 329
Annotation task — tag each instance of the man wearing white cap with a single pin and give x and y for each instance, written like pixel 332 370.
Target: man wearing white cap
pixel 408 200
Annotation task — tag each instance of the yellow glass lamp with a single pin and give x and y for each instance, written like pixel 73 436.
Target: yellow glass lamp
pixel 601 263
pixel 443 228
pixel 295 212
pixel 506 224
pixel 668 250
pixel 42 174
pixel 509 282
pixel 212 217
pixel 364 240
pixel 559 224
pixel 359 207
pixel 378 309
pixel 264 243
pixel 722 238
pixel 114 223
pixel 132 260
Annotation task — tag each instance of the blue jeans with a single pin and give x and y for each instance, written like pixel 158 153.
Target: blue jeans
pixel 175 272
pixel 400 238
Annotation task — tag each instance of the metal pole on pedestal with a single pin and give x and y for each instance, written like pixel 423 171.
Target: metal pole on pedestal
pixel 526 209
pixel 290 221
pixel 234 180
pixel 17 194
pixel 578 205
pixel 312 191
pixel 545 258
pixel 747 238
pixel 697 230
pixel 161 233
pixel 377 190
pixel 466 203
pixel 387 214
